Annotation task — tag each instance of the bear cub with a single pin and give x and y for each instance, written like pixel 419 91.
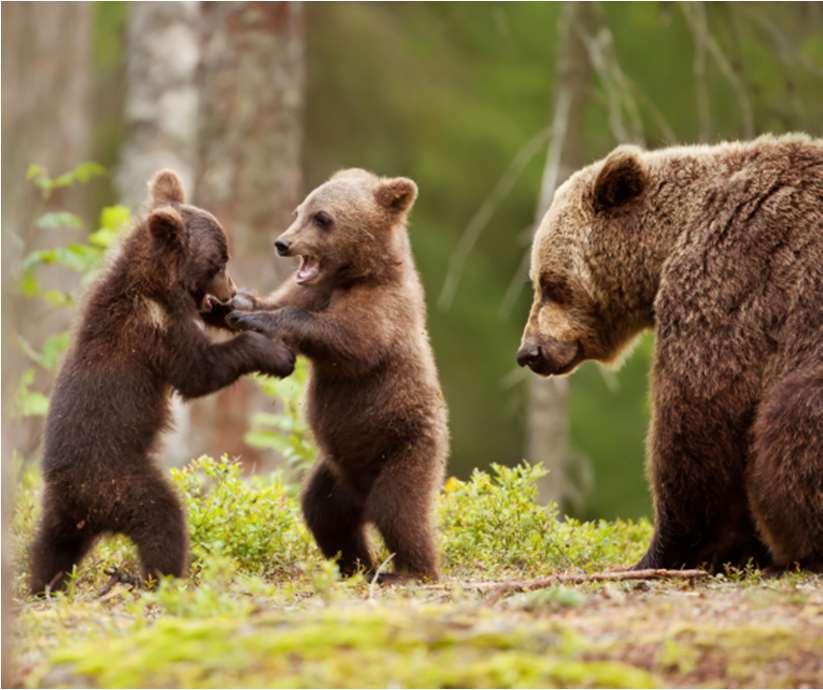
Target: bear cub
pixel 355 308
pixel 141 335
pixel 719 249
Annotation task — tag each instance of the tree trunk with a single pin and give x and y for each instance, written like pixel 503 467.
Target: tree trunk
pixel 161 129
pixel 249 170
pixel 46 99
pixel 43 63
pixel 161 99
pixel 548 422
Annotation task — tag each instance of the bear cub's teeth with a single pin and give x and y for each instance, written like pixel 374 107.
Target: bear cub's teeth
pixel 309 269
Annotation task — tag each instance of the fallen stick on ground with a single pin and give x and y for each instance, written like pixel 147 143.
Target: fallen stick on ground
pixel 541 583
pixel 499 589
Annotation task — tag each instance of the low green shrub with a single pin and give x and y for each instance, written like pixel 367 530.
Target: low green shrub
pixel 490 525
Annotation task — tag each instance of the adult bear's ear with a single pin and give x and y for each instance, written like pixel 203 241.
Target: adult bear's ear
pixel 167 226
pixel 622 178
pixel 396 194
pixel 166 188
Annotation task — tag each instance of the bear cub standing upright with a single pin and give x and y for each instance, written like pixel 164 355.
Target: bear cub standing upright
pixel 140 336
pixel 355 307
pixel 720 250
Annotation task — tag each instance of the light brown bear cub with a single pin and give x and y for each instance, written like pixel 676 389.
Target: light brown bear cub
pixel 355 307
pixel 720 250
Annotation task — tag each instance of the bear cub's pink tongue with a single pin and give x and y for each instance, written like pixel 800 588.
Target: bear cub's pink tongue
pixel 309 269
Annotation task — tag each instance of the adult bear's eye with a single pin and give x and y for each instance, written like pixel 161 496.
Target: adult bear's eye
pixel 554 291
pixel 322 220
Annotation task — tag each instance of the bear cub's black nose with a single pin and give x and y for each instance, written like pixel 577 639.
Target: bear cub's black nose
pixel 282 247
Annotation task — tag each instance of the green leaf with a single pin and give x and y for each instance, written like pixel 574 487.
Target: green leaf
pixel 28 284
pixel 59 219
pixel 39 257
pixel 29 403
pixel 58 298
pixel 78 257
pixel 81 173
pixel 114 218
pixel 53 349
pixel 88 171
pixel 103 238
pixel 35 170
pixel 34 404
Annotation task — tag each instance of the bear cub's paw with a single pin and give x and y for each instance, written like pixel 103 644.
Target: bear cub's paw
pixel 274 357
pixel 257 321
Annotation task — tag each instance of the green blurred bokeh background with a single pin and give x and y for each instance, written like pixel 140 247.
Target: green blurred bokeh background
pixel 449 94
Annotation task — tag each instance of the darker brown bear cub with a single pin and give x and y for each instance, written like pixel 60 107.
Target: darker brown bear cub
pixel 356 309
pixel 140 337
pixel 720 250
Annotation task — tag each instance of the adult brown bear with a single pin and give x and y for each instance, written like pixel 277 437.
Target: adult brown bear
pixel 720 250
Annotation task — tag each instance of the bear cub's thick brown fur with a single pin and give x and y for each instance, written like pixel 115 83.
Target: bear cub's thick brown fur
pixel 356 309
pixel 140 337
pixel 720 250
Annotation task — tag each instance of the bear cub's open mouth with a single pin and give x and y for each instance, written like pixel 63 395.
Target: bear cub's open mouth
pixel 309 270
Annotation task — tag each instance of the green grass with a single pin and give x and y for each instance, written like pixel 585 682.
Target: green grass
pixel 261 608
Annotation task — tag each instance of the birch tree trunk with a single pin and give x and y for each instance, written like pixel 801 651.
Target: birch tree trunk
pixel 43 63
pixel 548 420
pixel 161 97
pixel 161 113
pixel 249 168
pixel 46 103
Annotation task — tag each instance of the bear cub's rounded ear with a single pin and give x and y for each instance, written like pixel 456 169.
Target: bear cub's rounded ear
pixel 622 178
pixel 167 226
pixel 397 194
pixel 166 188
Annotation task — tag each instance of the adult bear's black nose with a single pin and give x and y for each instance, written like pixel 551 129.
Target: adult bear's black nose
pixel 528 353
pixel 282 247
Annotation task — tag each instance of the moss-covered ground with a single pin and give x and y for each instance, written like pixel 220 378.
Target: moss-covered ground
pixel 262 609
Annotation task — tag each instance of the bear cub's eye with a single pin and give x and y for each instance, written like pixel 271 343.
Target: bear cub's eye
pixel 322 220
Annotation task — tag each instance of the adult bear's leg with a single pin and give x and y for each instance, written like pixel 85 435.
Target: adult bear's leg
pixel 696 467
pixel 785 478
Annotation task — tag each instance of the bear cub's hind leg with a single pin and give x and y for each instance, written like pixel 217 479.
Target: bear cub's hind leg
pixel 153 519
pixel 57 548
pixel 334 515
pixel 401 505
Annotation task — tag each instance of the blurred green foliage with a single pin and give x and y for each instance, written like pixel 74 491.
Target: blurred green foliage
pixel 286 432
pixel 85 258
pixel 449 93
pixel 491 526
pixel 262 608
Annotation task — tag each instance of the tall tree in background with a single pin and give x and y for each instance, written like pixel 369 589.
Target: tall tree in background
pixel 548 417
pixel 43 63
pixel 161 111
pixel 249 166
pixel 46 87
pixel 162 98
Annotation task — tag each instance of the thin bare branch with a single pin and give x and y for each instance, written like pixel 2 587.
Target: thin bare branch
pixel 695 14
pixel 701 83
pixel 502 590
pixel 485 213
pixel 498 589
pixel 595 48
pixel 518 280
